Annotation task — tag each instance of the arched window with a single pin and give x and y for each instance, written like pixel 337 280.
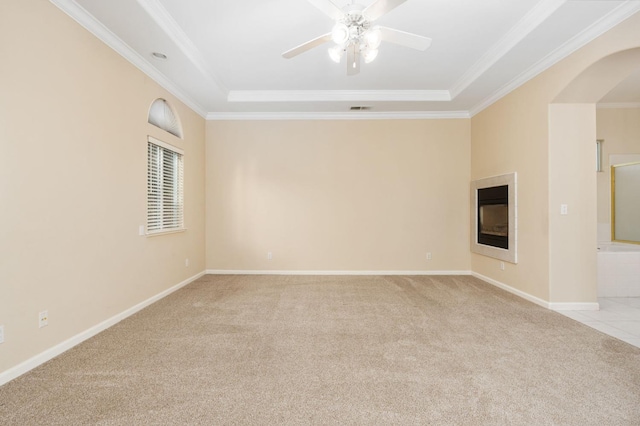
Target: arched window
pixel 163 116
pixel 165 200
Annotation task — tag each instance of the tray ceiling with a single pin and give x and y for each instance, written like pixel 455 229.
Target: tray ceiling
pixel 224 57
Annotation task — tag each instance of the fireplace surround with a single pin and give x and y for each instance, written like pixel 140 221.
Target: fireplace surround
pixel 494 217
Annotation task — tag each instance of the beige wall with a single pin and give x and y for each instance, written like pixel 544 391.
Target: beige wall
pixel 572 181
pixel 620 130
pixel 73 183
pixel 338 195
pixel 513 135
pixel 510 137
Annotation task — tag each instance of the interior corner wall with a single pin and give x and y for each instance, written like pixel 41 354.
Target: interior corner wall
pixel 512 135
pixel 73 129
pixel 620 130
pixel 338 195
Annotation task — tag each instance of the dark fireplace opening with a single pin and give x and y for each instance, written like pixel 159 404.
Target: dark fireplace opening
pixel 493 216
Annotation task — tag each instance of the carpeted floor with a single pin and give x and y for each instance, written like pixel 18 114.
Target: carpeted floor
pixel 336 350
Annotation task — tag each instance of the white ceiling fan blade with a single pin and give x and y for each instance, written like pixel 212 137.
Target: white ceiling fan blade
pixel 403 38
pixel 381 7
pixel 353 59
pixel 307 46
pixel 328 8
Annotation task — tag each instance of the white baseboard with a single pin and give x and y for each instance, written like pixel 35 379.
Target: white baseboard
pixel 41 358
pixel 512 290
pixel 583 306
pixel 579 306
pixel 549 305
pixel 289 272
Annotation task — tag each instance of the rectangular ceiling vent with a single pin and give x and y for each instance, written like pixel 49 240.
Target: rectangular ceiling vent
pixel 360 108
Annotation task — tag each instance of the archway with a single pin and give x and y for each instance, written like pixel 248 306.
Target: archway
pixel 572 178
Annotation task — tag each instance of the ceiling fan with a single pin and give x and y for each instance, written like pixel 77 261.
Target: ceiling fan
pixel 355 35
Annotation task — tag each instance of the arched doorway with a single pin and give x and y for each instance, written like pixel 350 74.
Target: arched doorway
pixel 572 177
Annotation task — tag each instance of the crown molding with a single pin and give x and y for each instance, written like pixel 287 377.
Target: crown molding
pixel 610 20
pixel 160 15
pixel 338 95
pixel 165 21
pixel 352 115
pixel 618 105
pixel 86 20
pixel 532 20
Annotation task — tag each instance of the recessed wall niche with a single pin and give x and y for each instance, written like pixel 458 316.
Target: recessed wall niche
pixel 494 217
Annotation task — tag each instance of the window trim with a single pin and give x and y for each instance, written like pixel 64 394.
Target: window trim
pixel 179 151
pixel 165 145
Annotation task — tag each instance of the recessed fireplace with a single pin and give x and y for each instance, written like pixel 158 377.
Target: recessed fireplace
pixel 493 217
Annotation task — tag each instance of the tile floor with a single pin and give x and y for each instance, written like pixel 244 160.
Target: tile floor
pixel 618 317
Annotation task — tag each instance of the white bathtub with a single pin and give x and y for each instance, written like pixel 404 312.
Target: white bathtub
pixel 618 270
pixel 619 247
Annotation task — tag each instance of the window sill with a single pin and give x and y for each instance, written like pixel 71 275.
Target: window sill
pixel 165 232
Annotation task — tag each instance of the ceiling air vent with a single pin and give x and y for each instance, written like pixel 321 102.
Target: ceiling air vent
pixel 360 108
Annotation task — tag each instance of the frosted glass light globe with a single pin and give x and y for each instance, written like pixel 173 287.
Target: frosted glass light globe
pixel 335 53
pixel 369 55
pixel 340 33
pixel 373 37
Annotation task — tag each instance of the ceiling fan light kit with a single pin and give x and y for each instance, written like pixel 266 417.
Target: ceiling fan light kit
pixel 354 35
pixel 340 33
pixel 335 53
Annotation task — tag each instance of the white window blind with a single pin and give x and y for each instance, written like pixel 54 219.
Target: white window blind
pixel 165 201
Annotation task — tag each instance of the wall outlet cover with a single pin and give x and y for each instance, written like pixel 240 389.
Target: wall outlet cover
pixel 43 319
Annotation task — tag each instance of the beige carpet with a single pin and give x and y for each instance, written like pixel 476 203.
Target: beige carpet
pixel 336 350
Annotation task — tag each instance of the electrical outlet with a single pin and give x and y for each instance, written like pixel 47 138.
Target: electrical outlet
pixel 502 266
pixel 43 319
pixel 429 256
pixel 269 255
pixel 1 333
pixel 186 262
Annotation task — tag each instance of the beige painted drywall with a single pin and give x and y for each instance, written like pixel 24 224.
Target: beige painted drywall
pixel 620 131
pixel 338 195
pixel 73 183
pixel 512 135
pixel 591 85
pixel 572 237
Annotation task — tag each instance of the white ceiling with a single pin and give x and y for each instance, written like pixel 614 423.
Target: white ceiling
pixel 224 56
